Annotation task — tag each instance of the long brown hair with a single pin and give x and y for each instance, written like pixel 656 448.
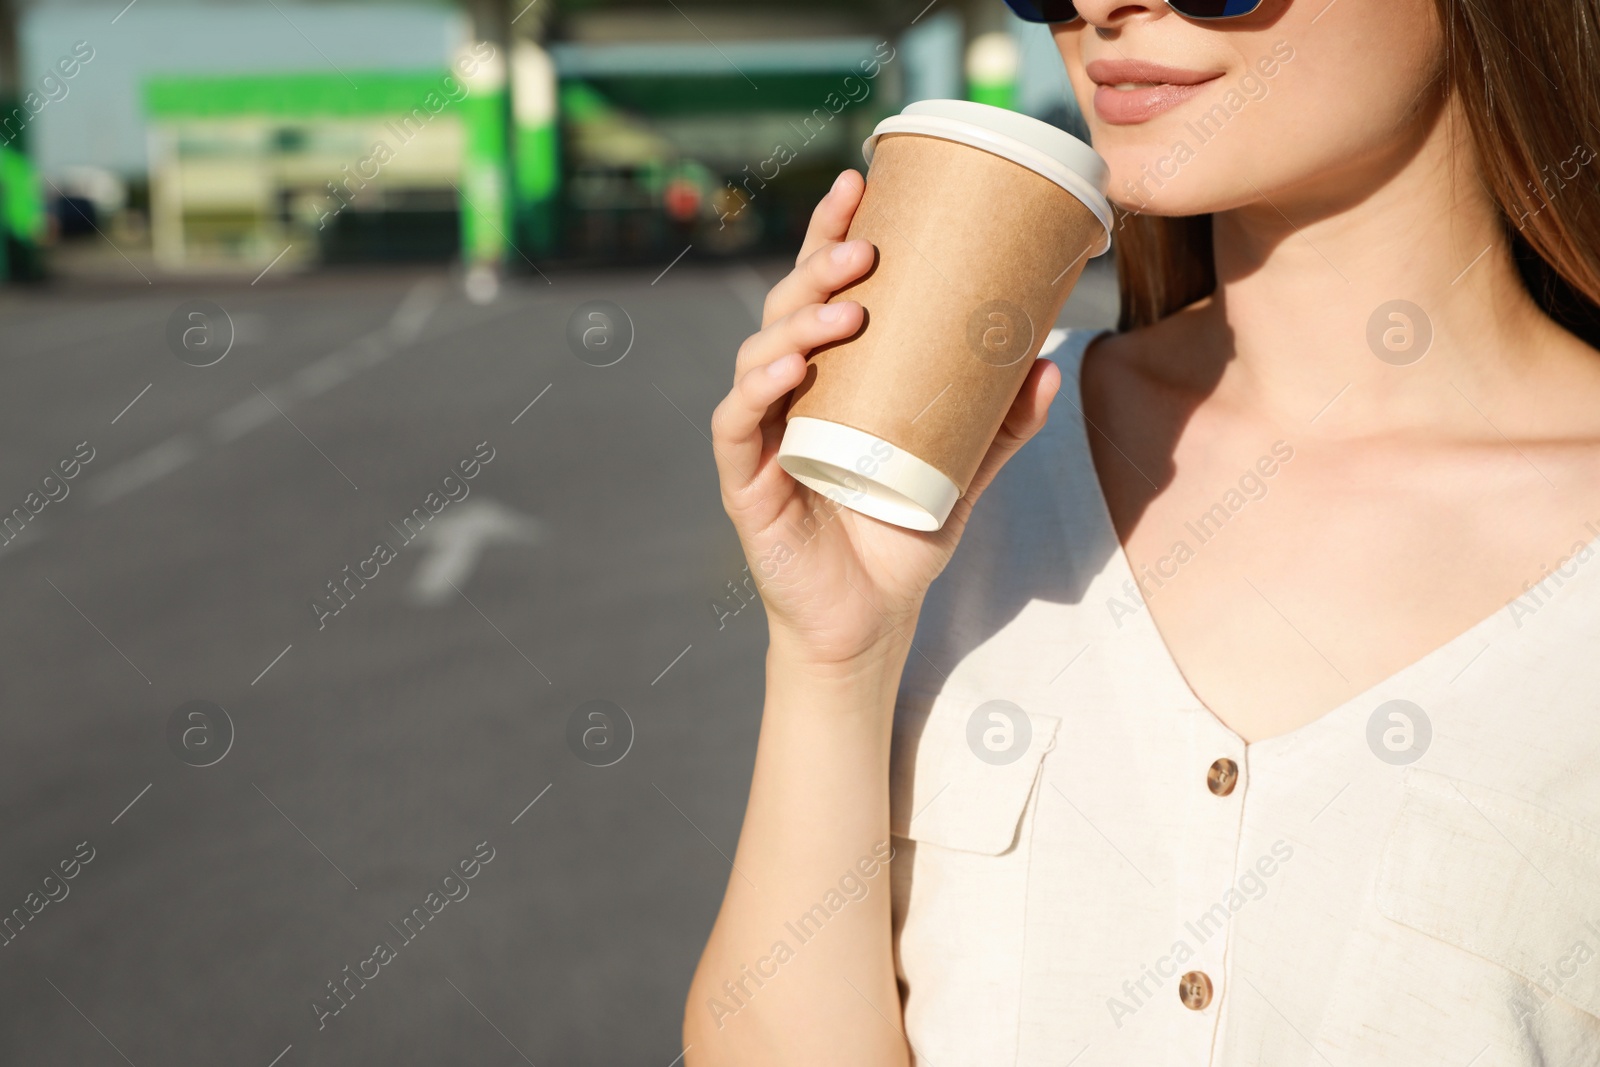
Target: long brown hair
pixel 1527 75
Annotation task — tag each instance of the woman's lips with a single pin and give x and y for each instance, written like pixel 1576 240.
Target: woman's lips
pixel 1132 91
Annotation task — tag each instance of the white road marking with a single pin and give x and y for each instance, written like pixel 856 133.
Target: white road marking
pixel 233 423
pixel 148 466
pixel 228 425
pixel 405 325
pixel 456 540
pixel 415 311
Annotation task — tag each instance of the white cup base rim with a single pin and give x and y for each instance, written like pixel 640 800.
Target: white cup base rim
pixel 866 473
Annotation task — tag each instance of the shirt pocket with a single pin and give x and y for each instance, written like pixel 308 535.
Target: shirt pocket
pixel 962 770
pixel 960 789
pixel 1496 876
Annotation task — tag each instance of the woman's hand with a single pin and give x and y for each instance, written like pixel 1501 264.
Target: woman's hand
pixel 837 584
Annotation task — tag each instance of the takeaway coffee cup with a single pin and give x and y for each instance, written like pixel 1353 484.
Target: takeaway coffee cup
pixel 983 219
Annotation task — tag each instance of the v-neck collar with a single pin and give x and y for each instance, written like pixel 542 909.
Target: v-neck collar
pixel 1415 676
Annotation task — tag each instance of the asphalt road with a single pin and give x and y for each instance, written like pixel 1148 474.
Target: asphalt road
pixel 366 754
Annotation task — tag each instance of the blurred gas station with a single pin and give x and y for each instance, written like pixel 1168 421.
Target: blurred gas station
pixel 507 133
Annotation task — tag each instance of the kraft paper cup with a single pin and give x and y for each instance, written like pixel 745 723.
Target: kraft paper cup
pixel 983 220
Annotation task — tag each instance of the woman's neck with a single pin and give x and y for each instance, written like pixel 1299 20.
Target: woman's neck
pixel 1306 312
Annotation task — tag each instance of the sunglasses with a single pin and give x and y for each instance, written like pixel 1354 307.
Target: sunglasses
pixel 1066 10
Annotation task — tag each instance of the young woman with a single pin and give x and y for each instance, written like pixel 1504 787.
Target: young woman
pixel 1257 718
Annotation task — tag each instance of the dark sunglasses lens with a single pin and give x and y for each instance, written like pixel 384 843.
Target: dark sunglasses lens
pixel 1044 10
pixel 1213 9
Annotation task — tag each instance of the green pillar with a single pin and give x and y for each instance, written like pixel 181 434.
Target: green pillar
pixel 992 64
pixel 536 153
pixel 485 163
pixel 22 212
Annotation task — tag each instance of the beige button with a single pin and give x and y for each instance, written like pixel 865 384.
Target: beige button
pixel 1194 989
pixel 1222 777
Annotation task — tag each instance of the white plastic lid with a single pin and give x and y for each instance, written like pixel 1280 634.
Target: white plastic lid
pixel 1039 146
pixel 867 474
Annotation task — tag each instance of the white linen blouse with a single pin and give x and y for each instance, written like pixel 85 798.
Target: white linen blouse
pixel 1091 869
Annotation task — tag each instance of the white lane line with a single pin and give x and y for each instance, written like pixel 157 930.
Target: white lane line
pixel 271 665
pixel 233 423
pixel 415 309
pixel 132 402
pixel 279 1056
pixel 405 326
pixel 28 536
pixel 136 473
pixel 324 374
pixel 131 803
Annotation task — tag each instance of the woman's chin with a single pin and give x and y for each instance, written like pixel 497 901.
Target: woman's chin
pixel 1166 202
pixel 1154 181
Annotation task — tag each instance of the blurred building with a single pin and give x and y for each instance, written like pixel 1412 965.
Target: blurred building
pixel 243 168
pixel 590 131
pixel 671 140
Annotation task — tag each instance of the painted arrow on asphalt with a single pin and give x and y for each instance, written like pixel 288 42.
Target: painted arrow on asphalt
pixel 455 541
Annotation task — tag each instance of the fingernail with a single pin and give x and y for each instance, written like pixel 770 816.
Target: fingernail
pixel 843 252
pixel 838 183
pixel 831 312
pixel 781 366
